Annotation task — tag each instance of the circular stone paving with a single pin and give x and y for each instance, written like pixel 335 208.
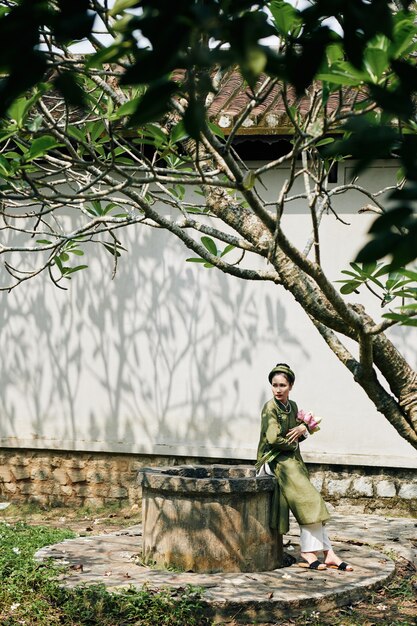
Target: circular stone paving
pixel 114 559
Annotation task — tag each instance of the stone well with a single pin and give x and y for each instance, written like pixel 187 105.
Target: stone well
pixel 209 518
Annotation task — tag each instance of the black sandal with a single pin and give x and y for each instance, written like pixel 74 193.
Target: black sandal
pixel 342 567
pixel 317 565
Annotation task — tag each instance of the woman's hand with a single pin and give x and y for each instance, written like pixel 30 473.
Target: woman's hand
pixel 295 433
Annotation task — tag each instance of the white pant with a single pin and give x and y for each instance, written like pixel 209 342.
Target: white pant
pixel 313 537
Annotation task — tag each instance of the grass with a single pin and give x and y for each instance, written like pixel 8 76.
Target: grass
pixel 30 594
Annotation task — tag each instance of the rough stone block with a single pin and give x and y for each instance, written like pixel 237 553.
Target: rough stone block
pixel 61 476
pixel 363 486
pixel 95 502
pixel 40 474
pixel 10 487
pixel 338 487
pixel 76 476
pixel 27 488
pixel 19 460
pixel 99 491
pixel 21 473
pixel 317 481
pixel 77 464
pixel 5 475
pixel 385 489
pixel 81 489
pixel 116 491
pixel 40 499
pixel 50 488
pixel 95 476
pixel 67 490
pixel 122 466
pixel 408 491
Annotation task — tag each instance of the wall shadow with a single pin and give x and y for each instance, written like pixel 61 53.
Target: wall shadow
pixel 166 353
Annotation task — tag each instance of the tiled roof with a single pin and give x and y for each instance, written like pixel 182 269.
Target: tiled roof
pixel 270 116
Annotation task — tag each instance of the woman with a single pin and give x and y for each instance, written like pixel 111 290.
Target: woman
pixel 279 441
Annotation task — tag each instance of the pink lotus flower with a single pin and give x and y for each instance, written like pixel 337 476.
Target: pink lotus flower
pixel 309 420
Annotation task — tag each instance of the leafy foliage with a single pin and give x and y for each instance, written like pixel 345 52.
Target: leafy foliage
pixel 368 47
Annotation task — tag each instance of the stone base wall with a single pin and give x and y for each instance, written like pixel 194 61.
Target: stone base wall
pixel 54 478
pixel 369 489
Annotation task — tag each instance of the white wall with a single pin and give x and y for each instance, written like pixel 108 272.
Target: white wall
pixel 170 358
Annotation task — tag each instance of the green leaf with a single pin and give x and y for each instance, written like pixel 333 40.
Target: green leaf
pixel 40 146
pixel 285 16
pixel 404 320
pixel 179 133
pixel 109 55
pixel 338 77
pixel 76 132
pixel 228 249
pixel 6 133
pixel 405 249
pixel 404 33
pixel 378 247
pixel 396 317
pixel 35 124
pixel 68 85
pixel 253 64
pixel 216 130
pixel 5 167
pixel 195 260
pixel 249 179
pixel 366 269
pixel 408 273
pixel 113 248
pixel 57 261
pixel 350 287
pixel 383 269
pixel 210 245
pixel 96 130
pixel 128 108
pixel 366 141
pixel 157 133
pixel 349 274
pixel 376 62
pixel 72 270
pixel 17 111
pixel 334 53
pixel 409 322
pixel 121 5
pixel 195 118
pixel 324 142
pixel 154 103
pixel 95 208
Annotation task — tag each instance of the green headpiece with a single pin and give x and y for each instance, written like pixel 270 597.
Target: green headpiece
pixel 282 369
